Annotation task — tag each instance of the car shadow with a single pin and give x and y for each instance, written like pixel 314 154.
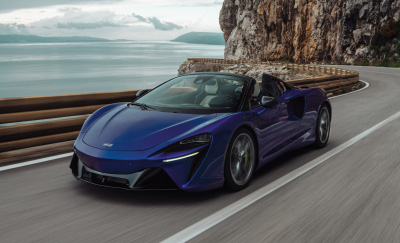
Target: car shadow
pixel 146 197
pixel 283 165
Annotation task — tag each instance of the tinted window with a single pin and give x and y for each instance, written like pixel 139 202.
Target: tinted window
pixel 214 93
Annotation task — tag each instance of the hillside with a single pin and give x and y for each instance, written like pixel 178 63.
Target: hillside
pixel 207 38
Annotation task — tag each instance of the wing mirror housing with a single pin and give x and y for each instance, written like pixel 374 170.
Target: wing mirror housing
pixel 269 101
pixel 141 92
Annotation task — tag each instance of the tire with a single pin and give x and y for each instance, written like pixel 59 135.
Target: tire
pixel 240 160
pixel 323 127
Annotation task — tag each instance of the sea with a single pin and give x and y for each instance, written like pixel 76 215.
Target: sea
pixel 68 68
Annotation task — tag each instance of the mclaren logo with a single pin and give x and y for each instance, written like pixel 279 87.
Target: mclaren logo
pixel 108 145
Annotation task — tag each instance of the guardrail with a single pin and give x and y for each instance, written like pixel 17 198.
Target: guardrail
pixel 333 80
pixel 41 134
pixel 37 131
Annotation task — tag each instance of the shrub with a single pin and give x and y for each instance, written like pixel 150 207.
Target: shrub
pixel 386 50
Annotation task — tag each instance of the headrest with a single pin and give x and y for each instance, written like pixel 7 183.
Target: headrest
pixel 211 89
pixel 238 91
pixel 257 90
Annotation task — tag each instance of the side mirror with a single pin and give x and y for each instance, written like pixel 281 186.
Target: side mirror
pixel 141 92
pixel 268 101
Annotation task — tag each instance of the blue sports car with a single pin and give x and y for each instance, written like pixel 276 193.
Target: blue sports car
pixel 198 132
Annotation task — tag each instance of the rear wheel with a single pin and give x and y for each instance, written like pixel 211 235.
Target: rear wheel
pixel 323 127
pixel 240 160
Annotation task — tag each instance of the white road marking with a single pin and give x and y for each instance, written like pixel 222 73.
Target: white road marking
pixel 398 74
pixel 363 68
pixel 36 161
pixel 365 87
pixel 216 218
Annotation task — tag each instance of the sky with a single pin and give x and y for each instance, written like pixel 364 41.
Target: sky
pixel 110 19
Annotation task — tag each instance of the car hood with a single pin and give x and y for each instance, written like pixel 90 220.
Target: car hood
pixel 126 129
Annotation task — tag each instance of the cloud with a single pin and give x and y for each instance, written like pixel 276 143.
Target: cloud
pixel 75 18
pixel 161 25
pixel 11 5
pixel 13 29
pixel 198 4
pixel 157 23
pixel 84 26
pixel 153 20
pixel 140 18
pixel 78 19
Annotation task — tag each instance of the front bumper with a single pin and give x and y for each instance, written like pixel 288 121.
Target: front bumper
pixel 117 169
pixel 148 179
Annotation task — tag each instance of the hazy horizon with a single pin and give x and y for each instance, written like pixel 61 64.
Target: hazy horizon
pixel 79 36
pixel 110 19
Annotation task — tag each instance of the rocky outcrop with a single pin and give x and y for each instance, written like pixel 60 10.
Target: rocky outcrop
pixel 252 70
pixel 257 70
pixel 307 30
pixel 192 67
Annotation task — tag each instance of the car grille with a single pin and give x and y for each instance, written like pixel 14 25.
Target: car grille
pixel 148 179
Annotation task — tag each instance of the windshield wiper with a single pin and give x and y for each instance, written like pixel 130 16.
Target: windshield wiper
pixel 143 106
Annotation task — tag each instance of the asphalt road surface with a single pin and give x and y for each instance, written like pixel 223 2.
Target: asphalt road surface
pixel 353 196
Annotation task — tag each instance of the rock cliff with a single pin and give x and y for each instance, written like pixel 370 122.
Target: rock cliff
pixel 311 30
pixel 252 70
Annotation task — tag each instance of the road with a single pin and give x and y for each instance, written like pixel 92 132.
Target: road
pixel 352 197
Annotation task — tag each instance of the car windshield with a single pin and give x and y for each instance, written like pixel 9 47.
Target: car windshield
pixel 204 93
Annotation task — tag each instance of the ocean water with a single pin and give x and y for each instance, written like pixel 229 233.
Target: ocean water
pixel 67 68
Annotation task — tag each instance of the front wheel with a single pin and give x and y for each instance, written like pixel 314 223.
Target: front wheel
pixel 240 160
pixel 323 127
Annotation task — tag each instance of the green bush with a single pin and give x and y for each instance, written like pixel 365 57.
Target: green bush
pixel 375 48
pixel 386 50
pixel 385 63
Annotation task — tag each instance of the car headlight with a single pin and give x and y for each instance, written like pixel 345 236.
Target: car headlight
pixel 190 147
pixel 181 157
pixel 202 138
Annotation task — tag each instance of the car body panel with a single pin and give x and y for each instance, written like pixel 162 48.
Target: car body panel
pixel 141 139
pixel 127 129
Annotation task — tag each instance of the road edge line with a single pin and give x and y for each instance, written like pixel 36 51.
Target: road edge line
pixel 36 161
pixel 355 91
pixel 219 216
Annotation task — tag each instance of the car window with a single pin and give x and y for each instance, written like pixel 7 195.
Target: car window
pixel 212 92
pixel 271 89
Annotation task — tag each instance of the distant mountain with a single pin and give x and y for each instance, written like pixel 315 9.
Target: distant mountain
pixel 202 38
pixel 39 39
